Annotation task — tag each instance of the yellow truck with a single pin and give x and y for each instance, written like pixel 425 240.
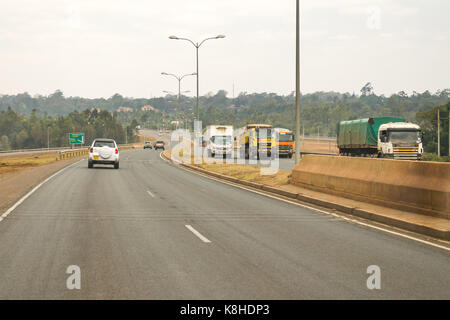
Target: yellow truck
pixel 255 139
pixel 284 142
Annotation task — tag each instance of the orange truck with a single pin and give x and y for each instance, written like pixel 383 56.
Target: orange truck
pixel 284 141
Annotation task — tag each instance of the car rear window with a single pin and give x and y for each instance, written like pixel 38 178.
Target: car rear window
pixel 160 142
pixel 100 144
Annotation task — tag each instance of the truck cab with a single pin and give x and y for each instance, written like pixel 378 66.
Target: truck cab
pixel 256 140
pixel 219 140
pixel 283 142
pixel 400 140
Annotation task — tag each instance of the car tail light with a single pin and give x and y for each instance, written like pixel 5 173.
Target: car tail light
pixel 92 150
pixel 117 151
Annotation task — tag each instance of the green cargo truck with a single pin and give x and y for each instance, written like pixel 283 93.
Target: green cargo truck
pixel 383 137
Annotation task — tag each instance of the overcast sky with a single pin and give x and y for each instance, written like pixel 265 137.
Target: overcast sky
pixel 95 48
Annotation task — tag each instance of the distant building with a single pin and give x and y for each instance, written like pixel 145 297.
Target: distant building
pixel 98 109
pixel 148 108
pixel 232 106
pixel 124 109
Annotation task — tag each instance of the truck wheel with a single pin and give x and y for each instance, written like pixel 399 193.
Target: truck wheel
pixel 290 155
pixel 116 165
pixel 90 165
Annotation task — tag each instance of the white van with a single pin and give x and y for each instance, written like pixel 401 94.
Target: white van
pixel 219 140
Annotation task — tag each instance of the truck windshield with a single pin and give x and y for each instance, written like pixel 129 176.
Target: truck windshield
pixel 221 140
pixel 286 137
pixel 263 133
pixel 404 136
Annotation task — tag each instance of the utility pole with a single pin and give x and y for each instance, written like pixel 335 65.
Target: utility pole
pixel 48 138
pixel 297 84
pixel 439 133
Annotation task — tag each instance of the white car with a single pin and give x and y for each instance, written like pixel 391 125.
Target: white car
pixel 103 151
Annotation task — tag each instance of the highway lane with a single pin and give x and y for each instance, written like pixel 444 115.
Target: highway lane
pixel 137 232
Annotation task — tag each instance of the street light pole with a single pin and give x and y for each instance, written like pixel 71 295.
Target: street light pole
pixel 179 78
pixel 297 84
pixel 197 46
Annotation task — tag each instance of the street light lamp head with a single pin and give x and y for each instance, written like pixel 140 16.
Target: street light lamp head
pixel 220 36
pixel 164 73
pixel 173 37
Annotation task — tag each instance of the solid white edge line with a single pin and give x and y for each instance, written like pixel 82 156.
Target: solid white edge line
pixel 315 209
pixel 151 194
pixel 19 202
pixel 198 234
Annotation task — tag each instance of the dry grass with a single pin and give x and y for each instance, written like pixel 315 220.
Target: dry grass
pixel 16 163
pixel 266 176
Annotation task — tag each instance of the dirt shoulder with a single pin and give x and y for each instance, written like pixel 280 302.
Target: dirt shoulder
pixel 15 183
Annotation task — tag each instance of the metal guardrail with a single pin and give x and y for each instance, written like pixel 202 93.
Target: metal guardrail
pixel 67 154
pixel 34 150
pixel 61 153
pixel 55 149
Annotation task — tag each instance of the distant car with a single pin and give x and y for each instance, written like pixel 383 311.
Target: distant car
pixel 159 145
pixel 147 145
pixel 103 151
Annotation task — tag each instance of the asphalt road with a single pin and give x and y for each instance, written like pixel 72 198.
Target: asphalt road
pixel 142 232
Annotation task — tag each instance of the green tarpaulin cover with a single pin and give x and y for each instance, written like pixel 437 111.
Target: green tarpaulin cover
pixel 362 131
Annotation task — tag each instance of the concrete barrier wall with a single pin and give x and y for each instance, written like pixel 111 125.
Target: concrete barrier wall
pixel 422 187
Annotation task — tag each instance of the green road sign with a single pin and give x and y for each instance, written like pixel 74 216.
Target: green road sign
pixel 76 138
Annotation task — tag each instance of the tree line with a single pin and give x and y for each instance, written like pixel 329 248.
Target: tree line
pixel 320 111
pixel 19 131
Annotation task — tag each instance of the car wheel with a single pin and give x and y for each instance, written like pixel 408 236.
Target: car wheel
pixel 90 164
pixel 116 165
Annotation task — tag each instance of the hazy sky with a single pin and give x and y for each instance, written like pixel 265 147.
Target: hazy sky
pixel 95 48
